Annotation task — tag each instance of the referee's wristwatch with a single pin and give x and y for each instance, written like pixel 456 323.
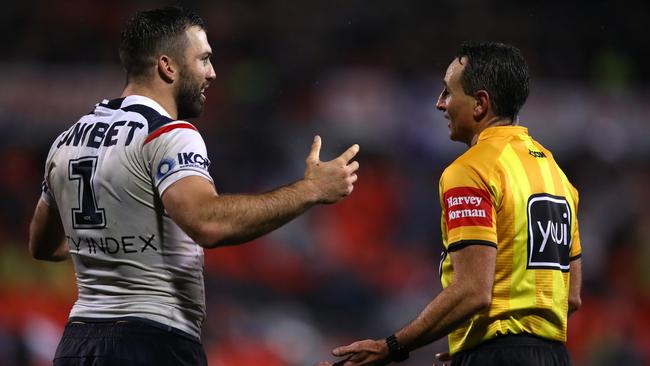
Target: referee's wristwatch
pixel 396 352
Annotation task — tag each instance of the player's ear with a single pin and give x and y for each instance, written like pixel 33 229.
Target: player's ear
pixel 481 105
pixel 167 68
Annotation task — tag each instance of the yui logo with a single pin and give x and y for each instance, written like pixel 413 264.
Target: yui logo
pixel 549 232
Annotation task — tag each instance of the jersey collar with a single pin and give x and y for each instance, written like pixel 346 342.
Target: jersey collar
pixel 139 99
pixel 502 131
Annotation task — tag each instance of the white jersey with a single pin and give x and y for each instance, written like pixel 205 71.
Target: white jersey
pixel 106 175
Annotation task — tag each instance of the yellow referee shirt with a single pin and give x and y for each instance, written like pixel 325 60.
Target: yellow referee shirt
pixel 508 192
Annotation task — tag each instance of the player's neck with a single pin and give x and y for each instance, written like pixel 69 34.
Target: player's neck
pixel 163 97
pixel 492 121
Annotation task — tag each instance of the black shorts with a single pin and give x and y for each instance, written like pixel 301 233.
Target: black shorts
pixel 515 350
pixel 126 343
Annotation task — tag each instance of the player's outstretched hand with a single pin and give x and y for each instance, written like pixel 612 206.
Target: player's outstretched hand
pixel 443 359
pixel 362 353
pixel 332 180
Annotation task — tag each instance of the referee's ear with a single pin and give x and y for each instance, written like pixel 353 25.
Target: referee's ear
pixel 167 69
pixel 482 105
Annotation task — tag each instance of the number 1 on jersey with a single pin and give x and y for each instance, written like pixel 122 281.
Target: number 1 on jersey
pixel 87 215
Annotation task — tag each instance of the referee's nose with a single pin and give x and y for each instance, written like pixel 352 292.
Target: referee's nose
pixel 441 104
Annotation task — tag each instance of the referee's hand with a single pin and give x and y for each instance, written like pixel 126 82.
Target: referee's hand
pixel 443 359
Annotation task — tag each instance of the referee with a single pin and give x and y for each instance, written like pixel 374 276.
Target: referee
pixel 511 267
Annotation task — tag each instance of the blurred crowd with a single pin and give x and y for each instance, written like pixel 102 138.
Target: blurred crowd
pixel 353 72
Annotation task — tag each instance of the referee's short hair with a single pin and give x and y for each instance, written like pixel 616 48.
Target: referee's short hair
pixel 151 33
pixel 499 69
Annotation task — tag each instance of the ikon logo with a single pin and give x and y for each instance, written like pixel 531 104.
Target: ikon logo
pixel 549 232
pixel 192 158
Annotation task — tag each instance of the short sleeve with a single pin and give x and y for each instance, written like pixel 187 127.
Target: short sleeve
pixel 46 192
pixel 468 214
pixel 176 151
pixel 576 248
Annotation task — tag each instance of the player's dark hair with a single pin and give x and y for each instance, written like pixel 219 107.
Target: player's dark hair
pixel 151 33
pixel 499 69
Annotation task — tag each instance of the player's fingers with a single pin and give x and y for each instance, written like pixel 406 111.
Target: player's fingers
pixel 353 166
pixel 343 350
pixel 353 178
pixel 314 154
pixel 349 153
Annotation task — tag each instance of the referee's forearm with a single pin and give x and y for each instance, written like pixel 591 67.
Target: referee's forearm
pixel 575 285
pixel 450 308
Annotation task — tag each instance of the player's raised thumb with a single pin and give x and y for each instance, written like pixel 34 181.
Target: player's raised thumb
pixel 314 154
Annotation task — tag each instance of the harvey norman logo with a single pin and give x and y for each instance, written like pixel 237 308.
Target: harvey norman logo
pixel 467 206
pixel 549 232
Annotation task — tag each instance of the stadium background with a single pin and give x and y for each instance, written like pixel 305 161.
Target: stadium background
pixel 354 71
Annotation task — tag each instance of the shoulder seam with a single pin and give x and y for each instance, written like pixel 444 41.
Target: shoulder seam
pixel 167 128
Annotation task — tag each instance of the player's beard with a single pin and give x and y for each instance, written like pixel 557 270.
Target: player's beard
pixel 188 96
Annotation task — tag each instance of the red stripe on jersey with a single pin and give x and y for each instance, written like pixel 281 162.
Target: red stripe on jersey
pixel 166 129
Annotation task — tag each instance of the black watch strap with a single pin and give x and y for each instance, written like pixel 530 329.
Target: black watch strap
pixel 396 352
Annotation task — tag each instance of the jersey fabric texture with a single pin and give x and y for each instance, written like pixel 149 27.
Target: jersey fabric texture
pixel 106 175
pixel 508 192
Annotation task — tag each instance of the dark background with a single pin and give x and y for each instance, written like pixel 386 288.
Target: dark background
pixel 366 72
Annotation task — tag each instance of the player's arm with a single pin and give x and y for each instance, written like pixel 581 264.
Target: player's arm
pixel 575 285
pixel 469 292
pixel 216 220
pixel 46 235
